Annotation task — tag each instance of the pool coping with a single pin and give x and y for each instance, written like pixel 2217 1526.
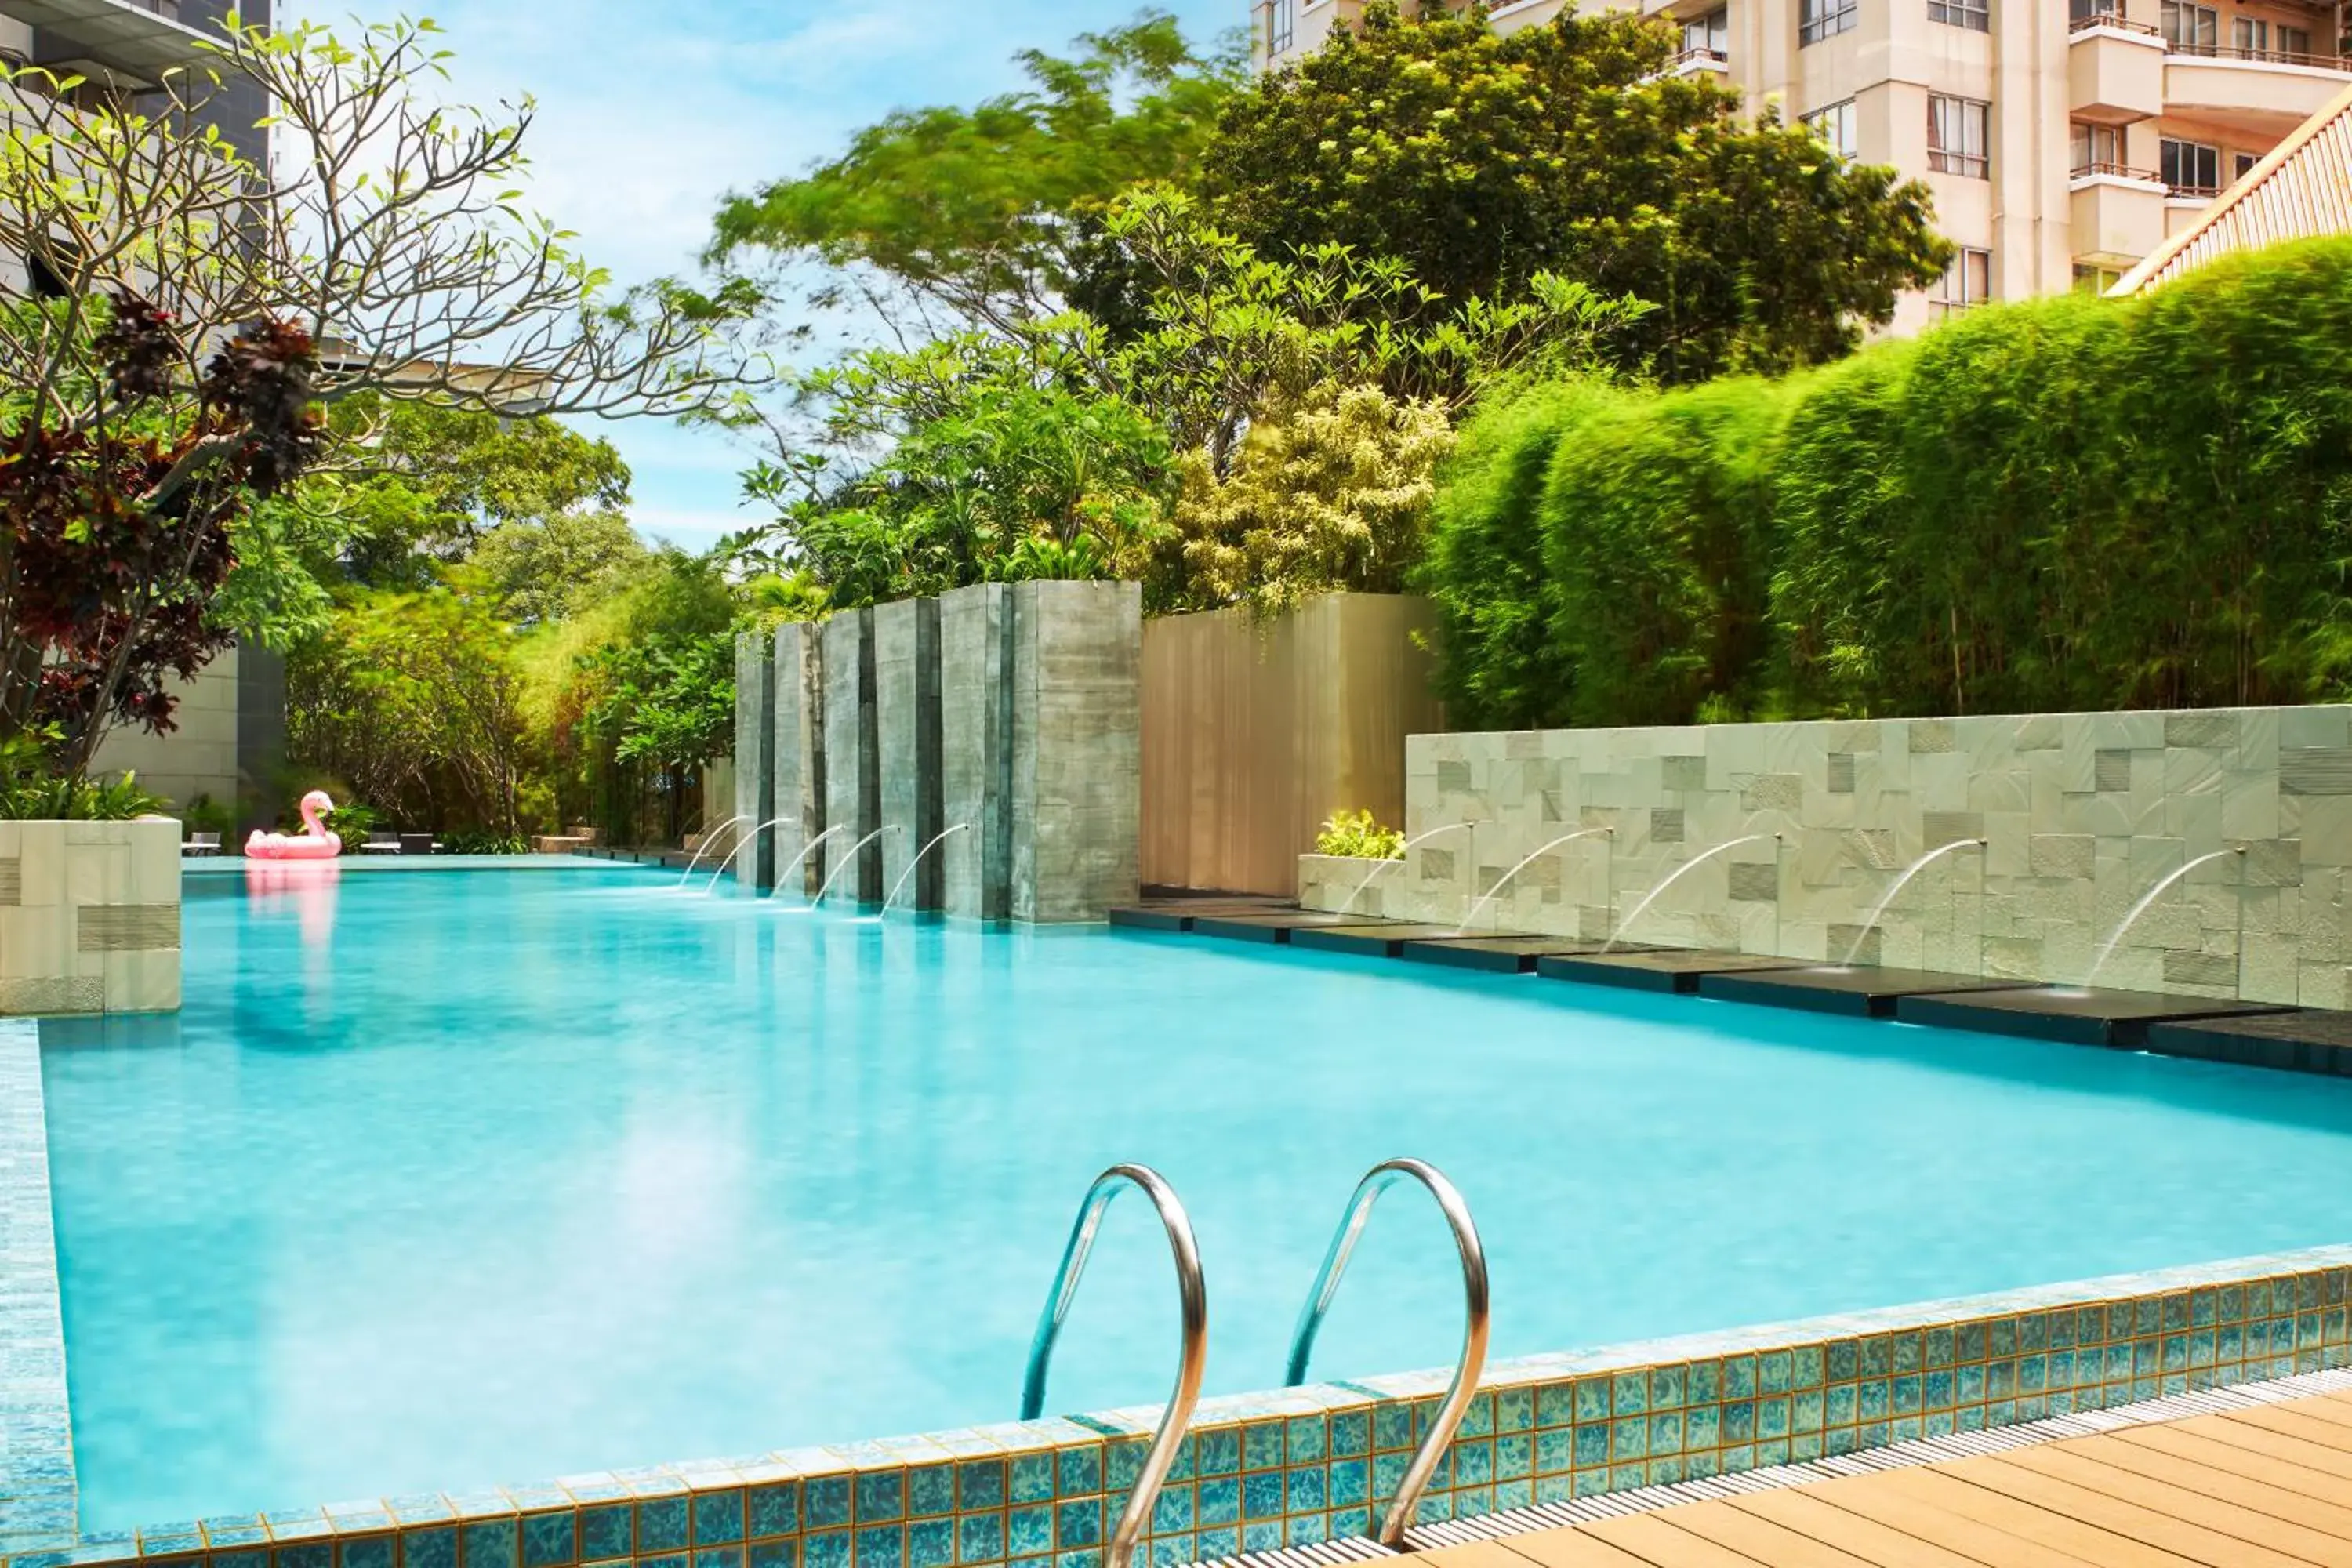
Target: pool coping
pixel 39 1502
pixel 1259 1471
pixel 237 865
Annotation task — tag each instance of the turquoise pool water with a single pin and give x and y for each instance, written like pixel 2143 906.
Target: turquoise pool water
pixel 446 1179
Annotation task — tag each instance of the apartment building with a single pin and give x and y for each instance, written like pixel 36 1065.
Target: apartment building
pixel 2064 140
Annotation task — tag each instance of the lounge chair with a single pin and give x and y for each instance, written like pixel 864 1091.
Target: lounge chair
pixel 381 844
pixel 200 844
pixel 417 844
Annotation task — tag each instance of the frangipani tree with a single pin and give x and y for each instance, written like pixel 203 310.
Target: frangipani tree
pixel 187 315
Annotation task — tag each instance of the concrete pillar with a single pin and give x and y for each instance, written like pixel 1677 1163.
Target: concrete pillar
pixel 755 765
pixel 1076 679
pixel 906 728
pixel 853 782
pixel 976 749
pixel 799 691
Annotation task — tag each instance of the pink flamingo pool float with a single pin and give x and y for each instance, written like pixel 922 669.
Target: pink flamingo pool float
pixel 313 843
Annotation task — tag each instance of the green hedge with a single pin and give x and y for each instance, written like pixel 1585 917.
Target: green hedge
pixel 2074 503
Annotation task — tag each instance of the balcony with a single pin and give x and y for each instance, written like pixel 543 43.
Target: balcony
pixel 2259 93
pixel 2117 214
pixel 1703 62
pixel 120 43
pixel 2115 70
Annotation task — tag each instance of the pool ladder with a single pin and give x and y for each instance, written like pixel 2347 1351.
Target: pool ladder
pixel 1192 1351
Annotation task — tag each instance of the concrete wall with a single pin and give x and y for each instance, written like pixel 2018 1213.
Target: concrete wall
pixel 754 798
pixel 1076 676
pixel 908 739
pixel 2082 815
pixel 797 688
pixel 976 749
pixel 852 783
pixel 1255 731
pixel 199 756
pixel 89 917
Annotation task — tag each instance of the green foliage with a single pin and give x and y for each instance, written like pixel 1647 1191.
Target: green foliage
pixel 982 209
pixel 1497 602
pixel 352 821
pixel 1656 518
pixel 34 786
pixel 1479 160
pixel 1354 835
pixel 482 841
pixel 206 815
pixel 2000 517
pixel 538 569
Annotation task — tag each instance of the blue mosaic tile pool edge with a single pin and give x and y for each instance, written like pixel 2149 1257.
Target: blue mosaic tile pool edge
pixel 38 1499
pixel 1256 1472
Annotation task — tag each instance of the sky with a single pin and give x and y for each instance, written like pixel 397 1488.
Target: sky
pixel 650 111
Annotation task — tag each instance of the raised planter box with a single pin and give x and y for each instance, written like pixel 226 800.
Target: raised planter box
pixel 89 917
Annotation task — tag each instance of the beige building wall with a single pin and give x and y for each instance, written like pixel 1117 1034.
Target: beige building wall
pixel 2040 215
pixel 199 756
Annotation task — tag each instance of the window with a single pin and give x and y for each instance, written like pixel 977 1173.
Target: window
pixel 1819 19
pixel 1967 282
pixel 1836 126
pixel 2294 43
pixel 2093 279
pixel 2191 168
pixel 2097 150
pixel 2250 35
pixel 2083 11
pixel 1959 136
pixel 2195 28
pixel 1975 15
pixel 1708 36
pixel 2241 165
pixel 1281 25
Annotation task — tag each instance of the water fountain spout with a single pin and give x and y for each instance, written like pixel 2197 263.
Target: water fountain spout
pixel 849 860
pixel 712 838
pixel 918 860
pixel 749 838
pixel 1879 911
pixel 1685 869
pixel 1484 898
pixel 1396 859
pixel 2146 903
pixel 801 859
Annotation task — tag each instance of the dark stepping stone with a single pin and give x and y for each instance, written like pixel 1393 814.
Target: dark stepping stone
pixel 1862 990
pixel 2311 1040
pixel 1177 914
pixel 1667 969
pixel 1503 954
pixel 1380 938
pixel 2074 1016
pixel 1272 927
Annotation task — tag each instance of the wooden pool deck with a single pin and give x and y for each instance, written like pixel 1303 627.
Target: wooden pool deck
pixel 2267 1486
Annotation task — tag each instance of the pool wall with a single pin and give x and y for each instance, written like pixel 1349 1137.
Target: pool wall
pixel 89 917
pixel 1257 1471
pixel 2084 814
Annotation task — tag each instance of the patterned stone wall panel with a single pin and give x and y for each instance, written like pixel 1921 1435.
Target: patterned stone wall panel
pixel 126 928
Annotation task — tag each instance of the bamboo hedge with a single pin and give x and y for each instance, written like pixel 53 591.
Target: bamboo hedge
pixel 2066 504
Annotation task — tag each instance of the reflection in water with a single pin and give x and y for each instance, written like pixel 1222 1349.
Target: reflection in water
pixel 306 887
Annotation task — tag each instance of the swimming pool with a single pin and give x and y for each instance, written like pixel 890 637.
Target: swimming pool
pixel 455 1178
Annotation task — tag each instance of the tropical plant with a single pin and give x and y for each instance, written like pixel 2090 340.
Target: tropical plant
pixel 33 788
pixel 1355 834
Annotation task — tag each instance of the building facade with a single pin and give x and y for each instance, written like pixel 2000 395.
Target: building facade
pixel 2064 140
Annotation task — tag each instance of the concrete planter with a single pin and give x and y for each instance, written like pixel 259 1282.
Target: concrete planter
pixel 89 917
pixel 1332 882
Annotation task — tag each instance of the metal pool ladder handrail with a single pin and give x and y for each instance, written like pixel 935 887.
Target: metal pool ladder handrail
pixel 1473 1359
pixel 1192 1293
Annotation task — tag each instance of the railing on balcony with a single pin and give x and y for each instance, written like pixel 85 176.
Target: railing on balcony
pixel 2260 57
pixel 1689 57
pixel 2192 193
pixel 2118 170
pixel 2109 19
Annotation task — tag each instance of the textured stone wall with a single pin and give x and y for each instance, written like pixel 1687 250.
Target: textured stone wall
pixel 2082 817
pixel 976 749
pixel 852 783
pixel 89 917
pixel 1076 678
pixel 907 726
pixel 797 686
pixel 755 762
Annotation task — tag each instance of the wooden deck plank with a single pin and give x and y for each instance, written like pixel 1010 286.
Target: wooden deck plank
pixel 2171 1438
pixel 2162 1531
pixel 1758 1539
pixel 1893 1500
pixel 2293 1423
pixel 2061 1532
pixel 1490 1554
pixel 1568 1549
pixel 2257 1439
pixel 1801 1511
pixel 2336 1408
pixel 1649 1537
pixel 2192 1502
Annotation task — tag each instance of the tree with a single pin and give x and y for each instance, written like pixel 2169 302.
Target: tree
pixel 166 364
pixel 539 569
pixel 1480 160
pixel 981 213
